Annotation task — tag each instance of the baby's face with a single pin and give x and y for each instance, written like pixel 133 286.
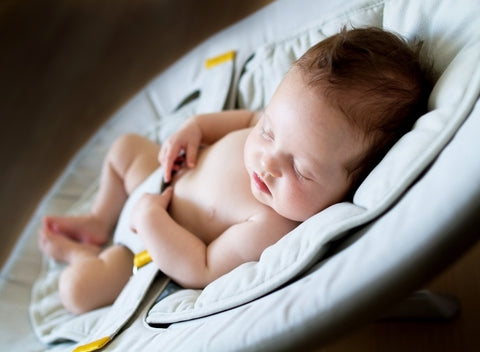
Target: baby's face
pixel 296 154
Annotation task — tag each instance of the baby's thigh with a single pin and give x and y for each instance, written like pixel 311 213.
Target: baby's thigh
pixel 134 157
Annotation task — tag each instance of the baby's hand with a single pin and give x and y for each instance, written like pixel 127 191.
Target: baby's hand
pixel 187 139
pixel 149 208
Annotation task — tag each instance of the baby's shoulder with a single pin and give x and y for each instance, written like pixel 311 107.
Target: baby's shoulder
pixel 269 221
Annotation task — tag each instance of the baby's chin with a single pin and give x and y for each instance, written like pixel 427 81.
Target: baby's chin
pixel 291 213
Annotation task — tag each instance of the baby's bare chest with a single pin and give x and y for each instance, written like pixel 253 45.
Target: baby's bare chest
pixel 216 193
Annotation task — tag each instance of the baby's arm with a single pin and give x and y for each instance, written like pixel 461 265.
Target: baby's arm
pixel 202 129
pixel 188 260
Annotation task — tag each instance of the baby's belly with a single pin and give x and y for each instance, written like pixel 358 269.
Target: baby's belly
pixel 215 194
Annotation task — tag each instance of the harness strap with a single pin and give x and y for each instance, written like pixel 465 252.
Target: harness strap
pixel 124 306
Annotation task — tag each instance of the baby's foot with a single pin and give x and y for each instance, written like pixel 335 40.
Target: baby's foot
pixel 88 229
pixel 64 249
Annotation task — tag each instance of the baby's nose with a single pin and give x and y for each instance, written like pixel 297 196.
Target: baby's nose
pixel 271 166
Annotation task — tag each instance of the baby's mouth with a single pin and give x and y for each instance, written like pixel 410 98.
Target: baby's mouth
pixel 262 186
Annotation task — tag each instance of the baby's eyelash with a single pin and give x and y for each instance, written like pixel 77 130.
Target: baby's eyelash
pixel 298 173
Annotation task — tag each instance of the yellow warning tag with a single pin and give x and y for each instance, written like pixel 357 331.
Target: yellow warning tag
pixel 220 59
pixel 141 259
pixel 93 346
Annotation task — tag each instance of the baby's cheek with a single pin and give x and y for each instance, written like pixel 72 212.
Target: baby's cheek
pixel 295 202
pixel 311 202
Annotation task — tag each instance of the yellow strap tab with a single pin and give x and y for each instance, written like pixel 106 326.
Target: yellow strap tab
pixel 141 259
pixel 93 346
pixel 220 59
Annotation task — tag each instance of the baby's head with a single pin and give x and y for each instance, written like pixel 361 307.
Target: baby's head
pixel 378 83
pixel 341 106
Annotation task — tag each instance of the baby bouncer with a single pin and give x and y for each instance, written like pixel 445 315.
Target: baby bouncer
pixel 351 263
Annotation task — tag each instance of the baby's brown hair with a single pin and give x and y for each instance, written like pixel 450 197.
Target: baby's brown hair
pixel 376 80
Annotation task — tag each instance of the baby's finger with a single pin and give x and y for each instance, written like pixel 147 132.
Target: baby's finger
pixel 165 197
pixel 191 154
pixel 167 172
pixel 167 161
pixel 167 194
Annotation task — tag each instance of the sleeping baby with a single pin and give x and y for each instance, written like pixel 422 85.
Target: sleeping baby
pixel 246 178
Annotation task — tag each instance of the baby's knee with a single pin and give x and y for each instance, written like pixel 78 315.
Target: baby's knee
pixel 74 291
pixel 125 144
pixel 128 149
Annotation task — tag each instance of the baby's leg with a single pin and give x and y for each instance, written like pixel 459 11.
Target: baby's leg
pixel 92 282
pixel 130 160
pixel 93 279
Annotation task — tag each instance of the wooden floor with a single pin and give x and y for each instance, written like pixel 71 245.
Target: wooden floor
pixel 66 65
